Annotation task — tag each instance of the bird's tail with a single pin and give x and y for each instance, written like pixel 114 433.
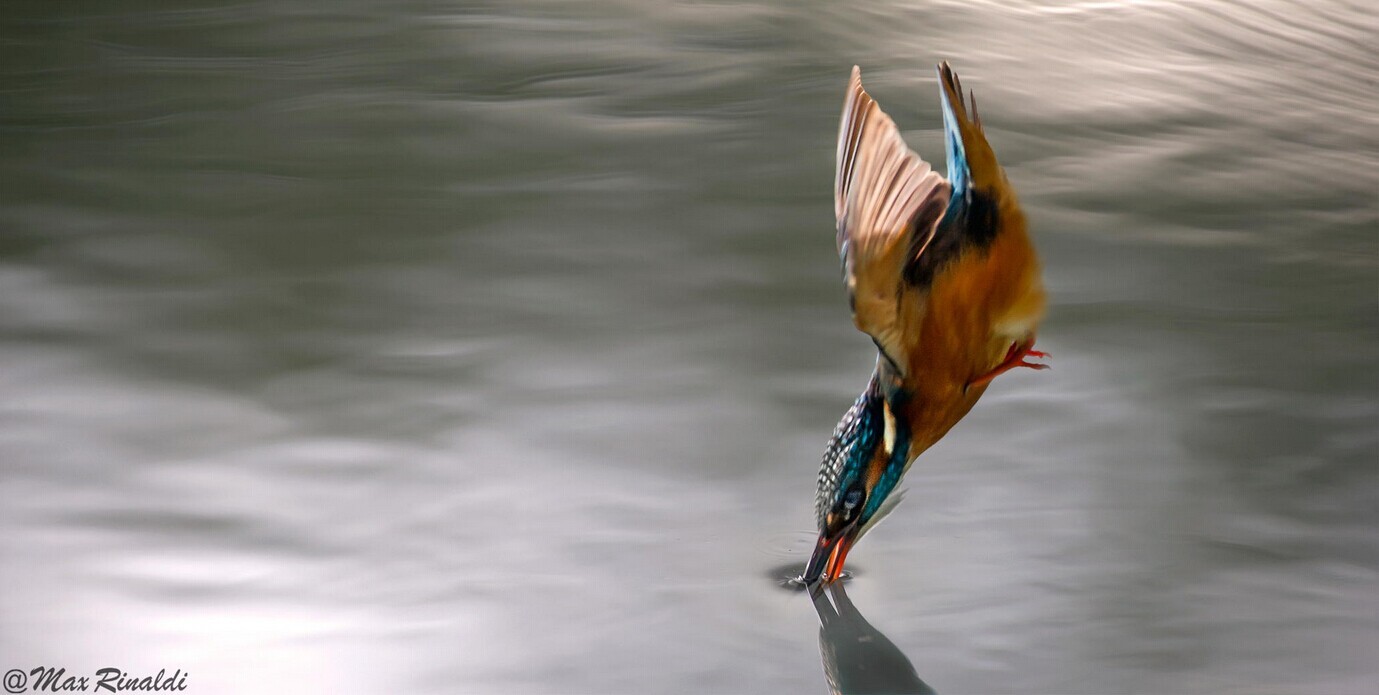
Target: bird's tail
pixel 970 159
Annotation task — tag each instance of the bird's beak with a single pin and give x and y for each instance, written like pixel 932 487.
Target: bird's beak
pixel 829 554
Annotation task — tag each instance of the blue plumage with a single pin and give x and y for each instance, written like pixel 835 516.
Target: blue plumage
pixel 853 446
pixel 959 174
pixel 853 442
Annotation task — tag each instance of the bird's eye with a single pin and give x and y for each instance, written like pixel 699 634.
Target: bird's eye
pixel 846 507
pixel 851 499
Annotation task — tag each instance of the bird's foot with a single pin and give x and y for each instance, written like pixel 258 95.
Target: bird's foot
pixel 1015 357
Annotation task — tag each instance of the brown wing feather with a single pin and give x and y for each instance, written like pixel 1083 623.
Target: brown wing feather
pixel 880 188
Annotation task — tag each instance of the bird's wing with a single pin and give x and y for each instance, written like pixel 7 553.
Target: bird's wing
pixel 888 202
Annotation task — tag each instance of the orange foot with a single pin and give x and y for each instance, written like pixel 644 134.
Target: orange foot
pixel 1015 357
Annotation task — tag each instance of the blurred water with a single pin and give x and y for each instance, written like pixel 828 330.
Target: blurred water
pixel 433 347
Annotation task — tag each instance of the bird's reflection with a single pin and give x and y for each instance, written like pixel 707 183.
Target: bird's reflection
pixel 857 657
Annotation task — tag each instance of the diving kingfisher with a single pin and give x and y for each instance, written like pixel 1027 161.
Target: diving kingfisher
pixel 941 273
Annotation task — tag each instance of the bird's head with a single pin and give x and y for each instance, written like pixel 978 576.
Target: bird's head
pixel 842 526
pixel 862 465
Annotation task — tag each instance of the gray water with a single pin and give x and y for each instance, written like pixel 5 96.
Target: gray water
pixel 438 347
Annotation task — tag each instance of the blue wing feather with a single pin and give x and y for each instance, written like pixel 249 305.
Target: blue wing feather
pixel 959 174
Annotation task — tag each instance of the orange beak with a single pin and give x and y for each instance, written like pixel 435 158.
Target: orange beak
pixel 829 555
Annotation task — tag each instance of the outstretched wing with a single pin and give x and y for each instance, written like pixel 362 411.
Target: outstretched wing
pixel 888 202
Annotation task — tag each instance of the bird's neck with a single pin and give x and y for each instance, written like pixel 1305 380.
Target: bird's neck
pixel 893 403
pixel 888 383
pixel 923 411
pixel 888 403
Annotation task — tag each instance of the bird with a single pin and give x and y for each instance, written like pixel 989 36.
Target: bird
pixel 941 273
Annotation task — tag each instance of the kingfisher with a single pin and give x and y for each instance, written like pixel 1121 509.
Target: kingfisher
pixel 942 275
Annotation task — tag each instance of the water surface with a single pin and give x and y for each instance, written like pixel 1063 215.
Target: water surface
pixel 491 347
